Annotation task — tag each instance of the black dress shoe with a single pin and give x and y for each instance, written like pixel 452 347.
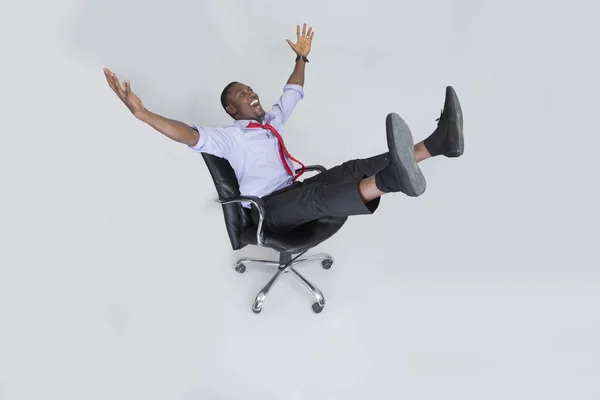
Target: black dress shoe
pixel 450 123
pixel 407 176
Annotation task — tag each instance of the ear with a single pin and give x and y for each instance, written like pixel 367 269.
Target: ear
pixel 231 110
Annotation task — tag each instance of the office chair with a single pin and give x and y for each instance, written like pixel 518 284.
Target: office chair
pixel 291 246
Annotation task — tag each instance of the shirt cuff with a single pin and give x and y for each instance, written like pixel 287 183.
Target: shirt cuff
pixel 201 141
pixel 297 88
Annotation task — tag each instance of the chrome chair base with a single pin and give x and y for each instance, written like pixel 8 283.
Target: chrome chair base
pixel 287 265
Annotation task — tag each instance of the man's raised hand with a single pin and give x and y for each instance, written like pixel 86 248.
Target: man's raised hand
pixel 302 47
pixel 131 100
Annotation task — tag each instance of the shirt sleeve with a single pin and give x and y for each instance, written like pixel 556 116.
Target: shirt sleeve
pixel 215 141
pixel 282 110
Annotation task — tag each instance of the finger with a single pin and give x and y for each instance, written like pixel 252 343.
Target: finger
pixel 108 79
pixel 108 76
pixel 111 82
pixel 117 85
pixel 311 36
pixel 298 31
pixel 309 32
pixel 304 31
pixel 127 89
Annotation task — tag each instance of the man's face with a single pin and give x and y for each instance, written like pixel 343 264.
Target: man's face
pixel 244 103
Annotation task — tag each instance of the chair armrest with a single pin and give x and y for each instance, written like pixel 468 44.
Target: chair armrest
pixel 314 167
pixel 260 205
pixel 257 201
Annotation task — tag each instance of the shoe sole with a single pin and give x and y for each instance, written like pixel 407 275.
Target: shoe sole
pixel 402 156
pixel 458 122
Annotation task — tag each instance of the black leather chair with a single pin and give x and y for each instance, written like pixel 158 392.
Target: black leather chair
pixel 291 246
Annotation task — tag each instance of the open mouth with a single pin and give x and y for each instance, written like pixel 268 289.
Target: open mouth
pixel 255 103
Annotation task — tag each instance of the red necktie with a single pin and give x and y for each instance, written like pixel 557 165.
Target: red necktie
pixel 282 149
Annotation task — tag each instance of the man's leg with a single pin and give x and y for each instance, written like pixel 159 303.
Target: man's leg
pixel 361 168
pixel 364 181
pixel 364 170
pixel 352 170
pixel 304 203
pixel 447 140
pixel 359 194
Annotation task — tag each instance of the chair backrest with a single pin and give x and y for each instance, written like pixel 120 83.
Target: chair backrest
pixel 237 218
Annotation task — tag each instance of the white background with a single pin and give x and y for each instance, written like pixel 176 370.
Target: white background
pixel 116 277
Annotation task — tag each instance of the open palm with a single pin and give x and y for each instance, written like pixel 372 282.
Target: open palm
pixel 131 100
pixel 302 47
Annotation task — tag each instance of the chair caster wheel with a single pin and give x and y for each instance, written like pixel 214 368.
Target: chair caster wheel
pixel 317 308
pixel 241 268
pixel 327 263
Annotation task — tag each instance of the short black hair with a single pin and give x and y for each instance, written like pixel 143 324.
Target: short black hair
pixel 224 95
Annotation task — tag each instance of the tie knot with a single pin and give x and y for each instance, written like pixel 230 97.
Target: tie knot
pixel 257 125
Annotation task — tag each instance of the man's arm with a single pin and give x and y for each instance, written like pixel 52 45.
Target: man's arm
pixel 302 48
pixel 297 77
pixel 172 129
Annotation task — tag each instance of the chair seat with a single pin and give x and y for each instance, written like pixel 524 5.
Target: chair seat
pixel 300 239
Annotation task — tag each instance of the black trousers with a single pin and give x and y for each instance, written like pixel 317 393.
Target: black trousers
pixel 331 193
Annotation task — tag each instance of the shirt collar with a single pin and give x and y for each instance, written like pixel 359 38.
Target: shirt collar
pixel 243 123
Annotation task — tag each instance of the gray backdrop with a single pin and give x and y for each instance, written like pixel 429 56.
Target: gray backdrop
pixel 116 278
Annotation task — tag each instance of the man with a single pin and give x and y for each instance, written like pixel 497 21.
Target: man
pixel 264 168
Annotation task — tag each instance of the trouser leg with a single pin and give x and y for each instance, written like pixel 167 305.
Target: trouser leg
pixel 307 202
pixel 331 193
pixel 352 170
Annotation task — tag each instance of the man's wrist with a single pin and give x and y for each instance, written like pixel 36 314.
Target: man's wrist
pixel 143 115
pixel 303 58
